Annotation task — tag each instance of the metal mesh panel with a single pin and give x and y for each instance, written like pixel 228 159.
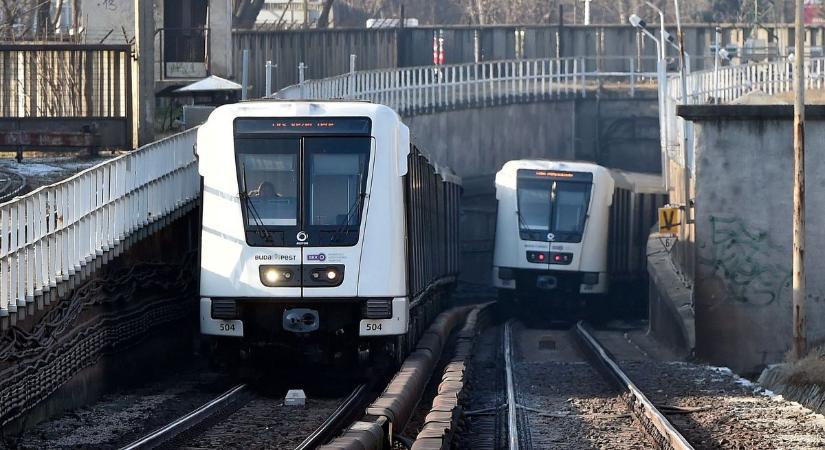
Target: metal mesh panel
pixel 65 80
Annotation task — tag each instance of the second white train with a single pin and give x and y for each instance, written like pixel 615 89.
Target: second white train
pixel 566 230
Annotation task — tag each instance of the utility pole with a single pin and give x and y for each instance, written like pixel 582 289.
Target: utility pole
pixel 686 140
pixel 799 325
pixel 144 67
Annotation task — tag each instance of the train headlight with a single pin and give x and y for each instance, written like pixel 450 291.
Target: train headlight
pixel 323 276
pixel 274 276
pixel 271 275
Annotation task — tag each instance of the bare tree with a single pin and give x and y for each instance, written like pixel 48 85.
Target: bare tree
pixel 16 19
pixel 544 11
pixel 323 19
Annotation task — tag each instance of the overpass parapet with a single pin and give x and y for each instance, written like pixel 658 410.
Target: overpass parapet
pixel 420 90
pixel 56 235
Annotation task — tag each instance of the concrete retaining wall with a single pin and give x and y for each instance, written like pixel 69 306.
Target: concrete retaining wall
pixel 128 314
pixel 616 132
pixel 744 179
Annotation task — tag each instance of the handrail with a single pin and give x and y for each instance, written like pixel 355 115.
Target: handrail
pixel 54 232
pixel 727 85
pixel 412 90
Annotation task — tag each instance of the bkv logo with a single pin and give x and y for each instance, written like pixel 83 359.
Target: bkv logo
pixel 319 257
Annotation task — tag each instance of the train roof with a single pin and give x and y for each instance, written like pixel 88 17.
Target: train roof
pixel 446 173
pixel 510 168
pixel 304 108
pixel 640 183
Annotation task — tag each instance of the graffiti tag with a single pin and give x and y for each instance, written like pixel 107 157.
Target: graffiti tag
pixel 108 4
pixel 754 270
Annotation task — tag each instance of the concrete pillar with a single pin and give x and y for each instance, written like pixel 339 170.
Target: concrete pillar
pixel 220 38
pixel 144 72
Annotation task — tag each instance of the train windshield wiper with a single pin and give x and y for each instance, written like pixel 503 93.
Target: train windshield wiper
pixel 522 223
pixel 252 212
pixel 523 227
pixel 345 227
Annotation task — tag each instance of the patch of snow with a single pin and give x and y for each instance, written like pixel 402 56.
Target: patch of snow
pixel 33 169
pixel 722 370
pixel 744 382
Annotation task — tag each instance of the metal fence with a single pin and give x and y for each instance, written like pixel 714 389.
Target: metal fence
pixel 56 232
pixel 725 85
pixel 420 89
pixel 65 80
pixel 325 53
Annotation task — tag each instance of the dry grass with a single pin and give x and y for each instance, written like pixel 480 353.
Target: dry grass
pixel 809 370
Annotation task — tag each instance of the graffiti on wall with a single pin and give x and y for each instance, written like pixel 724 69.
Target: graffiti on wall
pixel 754 270
pixel 109 5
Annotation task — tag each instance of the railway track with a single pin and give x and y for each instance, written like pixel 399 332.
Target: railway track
pixel 11 184
pixel 656 425
pixel 576 411
pixel 175 429
pixel 218 411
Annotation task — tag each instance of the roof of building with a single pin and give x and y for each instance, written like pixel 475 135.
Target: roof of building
pixel 211 84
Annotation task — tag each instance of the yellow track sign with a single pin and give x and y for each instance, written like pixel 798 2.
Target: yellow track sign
pixel 669 220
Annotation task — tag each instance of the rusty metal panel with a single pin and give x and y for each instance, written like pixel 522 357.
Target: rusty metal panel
pixel 46 139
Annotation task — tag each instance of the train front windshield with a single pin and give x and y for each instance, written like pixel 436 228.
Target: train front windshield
pixel 303 188
pixel 552 206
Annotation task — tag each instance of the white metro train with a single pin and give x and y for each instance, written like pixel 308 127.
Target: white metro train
pixel 566 230
pixel 325 233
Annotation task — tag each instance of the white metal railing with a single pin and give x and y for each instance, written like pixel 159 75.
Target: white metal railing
pixel 413 89
pixel 53 232
pixel 732 82
pixel 725 85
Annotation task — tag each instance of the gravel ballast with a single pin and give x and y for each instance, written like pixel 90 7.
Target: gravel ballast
pixel 728 413
pixel 712 407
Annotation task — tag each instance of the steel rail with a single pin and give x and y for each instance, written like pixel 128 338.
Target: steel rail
pixel 650 414
pixel 186 422
pixel 512 407
pixel 337 420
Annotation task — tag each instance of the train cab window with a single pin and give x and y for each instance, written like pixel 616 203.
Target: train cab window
pixel 269 181
pixel 571 201
pixel 552 209
pixel 534 206
pixel 302 180
pixel 337 172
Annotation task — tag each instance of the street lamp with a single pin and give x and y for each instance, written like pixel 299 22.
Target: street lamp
pixel 724 54
pixel 716 56
pixel 672 41
pixel 661 77
pixel 662 31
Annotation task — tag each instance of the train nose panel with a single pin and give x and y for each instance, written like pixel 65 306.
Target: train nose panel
pixel 301 320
